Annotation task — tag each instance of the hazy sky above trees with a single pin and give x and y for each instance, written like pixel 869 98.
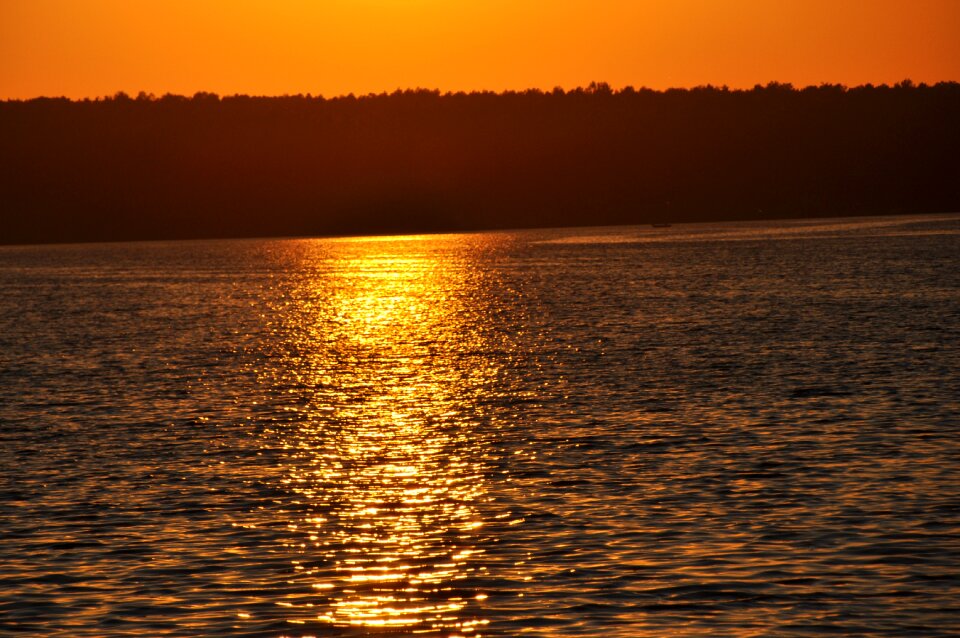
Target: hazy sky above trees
pixel 268 47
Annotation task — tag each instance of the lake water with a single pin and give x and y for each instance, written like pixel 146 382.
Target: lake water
pixel 745 429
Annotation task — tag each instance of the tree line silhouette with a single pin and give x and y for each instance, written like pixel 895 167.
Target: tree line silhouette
pixel 123 168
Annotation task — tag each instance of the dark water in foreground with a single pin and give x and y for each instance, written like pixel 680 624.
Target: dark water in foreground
pixel 730 430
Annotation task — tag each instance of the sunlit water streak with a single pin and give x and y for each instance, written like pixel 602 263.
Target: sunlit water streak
pixel 723 430
pixel 385 455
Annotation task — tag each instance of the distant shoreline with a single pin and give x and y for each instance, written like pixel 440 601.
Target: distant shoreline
pixel 124 169
pixel 674 230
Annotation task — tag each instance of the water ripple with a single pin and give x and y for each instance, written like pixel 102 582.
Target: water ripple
pixel 741 430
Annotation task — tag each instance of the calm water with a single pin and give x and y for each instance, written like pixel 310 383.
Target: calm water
pixel 727 430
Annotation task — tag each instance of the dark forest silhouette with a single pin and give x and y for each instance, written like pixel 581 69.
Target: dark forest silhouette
pixel 174 167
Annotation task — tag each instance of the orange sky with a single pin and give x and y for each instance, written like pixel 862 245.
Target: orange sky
pixel 83 48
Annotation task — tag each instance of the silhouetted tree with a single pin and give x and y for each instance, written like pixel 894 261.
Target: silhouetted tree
pixel 417 160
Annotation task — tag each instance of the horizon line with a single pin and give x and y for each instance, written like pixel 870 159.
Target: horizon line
pixel 595 87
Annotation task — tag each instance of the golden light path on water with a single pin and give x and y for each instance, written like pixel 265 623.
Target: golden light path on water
pixel 386 457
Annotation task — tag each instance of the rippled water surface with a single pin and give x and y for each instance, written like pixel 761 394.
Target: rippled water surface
pixel 717 430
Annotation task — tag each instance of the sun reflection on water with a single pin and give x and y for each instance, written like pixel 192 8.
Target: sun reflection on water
pixel 385 457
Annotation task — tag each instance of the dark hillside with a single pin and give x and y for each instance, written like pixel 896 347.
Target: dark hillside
pixel 175 167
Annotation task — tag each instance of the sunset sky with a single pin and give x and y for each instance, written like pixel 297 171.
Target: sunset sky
pixel 87 48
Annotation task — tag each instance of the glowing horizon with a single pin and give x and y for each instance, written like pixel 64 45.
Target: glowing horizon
pixel 100 47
